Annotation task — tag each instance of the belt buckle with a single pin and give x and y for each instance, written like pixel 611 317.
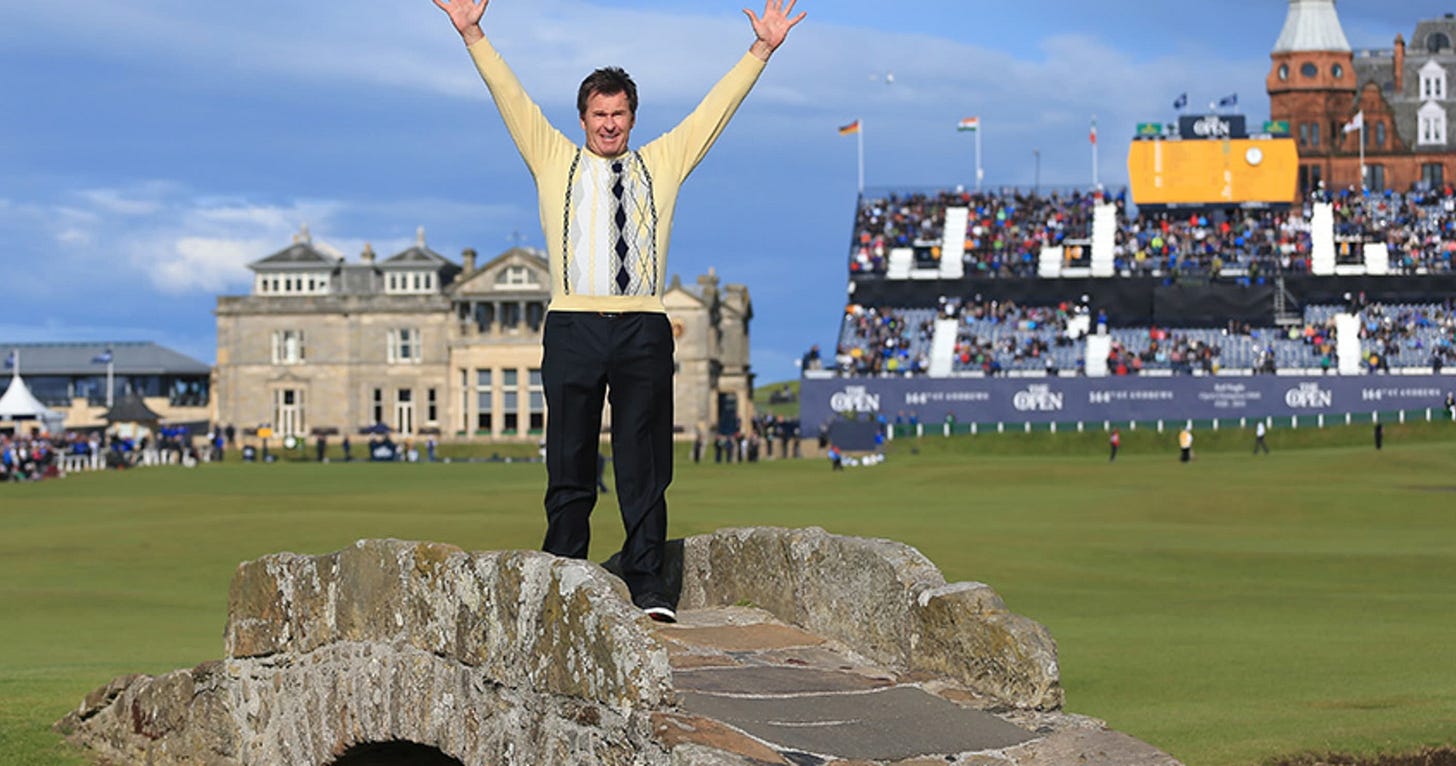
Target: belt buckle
pixel 610 314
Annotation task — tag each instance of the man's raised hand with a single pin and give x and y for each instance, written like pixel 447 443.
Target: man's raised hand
pixel 771 28
pixel 465 15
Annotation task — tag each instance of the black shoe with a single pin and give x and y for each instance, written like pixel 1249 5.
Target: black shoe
pixel 658 608
pixel 661 614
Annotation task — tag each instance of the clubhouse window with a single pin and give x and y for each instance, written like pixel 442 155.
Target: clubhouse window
pixel 288 347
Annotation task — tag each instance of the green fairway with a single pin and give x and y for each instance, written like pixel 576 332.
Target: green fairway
pixel 1229 611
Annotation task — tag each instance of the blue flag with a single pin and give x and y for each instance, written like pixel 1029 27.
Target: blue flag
pixel 1231 99
pixel 1181 101
pixel 10 359
pixel 102 358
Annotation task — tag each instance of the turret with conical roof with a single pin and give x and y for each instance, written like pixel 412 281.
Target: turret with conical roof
pixel 1312 25
pixel 1312 85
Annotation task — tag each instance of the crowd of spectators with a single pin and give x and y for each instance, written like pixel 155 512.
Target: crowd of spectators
pixel 1181 353
pixel 27 458
pixel 998 336
pixel 37 455
pixel 1408 335
pixel 875 341
pixel 1248 244
pixel 1418 227
pixel 1005 231
pixel 766 435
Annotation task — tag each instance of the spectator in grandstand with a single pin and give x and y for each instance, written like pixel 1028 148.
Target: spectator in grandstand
pixel 811 359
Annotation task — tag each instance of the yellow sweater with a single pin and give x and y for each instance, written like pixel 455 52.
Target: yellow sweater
pixel 574 189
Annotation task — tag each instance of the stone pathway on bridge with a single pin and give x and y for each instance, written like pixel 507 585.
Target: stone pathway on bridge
pixel 772 693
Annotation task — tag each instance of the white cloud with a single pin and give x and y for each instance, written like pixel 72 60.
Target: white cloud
pixel 165 237
pixel 206 264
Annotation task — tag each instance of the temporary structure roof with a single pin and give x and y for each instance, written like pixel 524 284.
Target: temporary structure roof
pixel 19 403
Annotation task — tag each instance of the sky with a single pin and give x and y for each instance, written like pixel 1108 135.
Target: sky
pixel 151 149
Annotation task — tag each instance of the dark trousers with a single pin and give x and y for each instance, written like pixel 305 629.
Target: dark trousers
pixel 626 359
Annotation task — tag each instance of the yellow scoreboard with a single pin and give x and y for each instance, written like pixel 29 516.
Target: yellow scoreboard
pixel 1213 171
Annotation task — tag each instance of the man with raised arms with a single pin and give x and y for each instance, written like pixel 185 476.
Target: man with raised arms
pixel 606 210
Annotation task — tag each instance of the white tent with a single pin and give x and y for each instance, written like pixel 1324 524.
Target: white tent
pixel 19 403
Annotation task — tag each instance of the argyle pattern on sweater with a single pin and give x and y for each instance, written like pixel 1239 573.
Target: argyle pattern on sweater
pixel 610 242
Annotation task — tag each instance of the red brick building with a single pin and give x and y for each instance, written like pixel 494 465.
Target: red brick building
pixel 1403 96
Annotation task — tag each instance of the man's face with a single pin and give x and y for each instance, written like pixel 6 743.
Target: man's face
pixel 608 124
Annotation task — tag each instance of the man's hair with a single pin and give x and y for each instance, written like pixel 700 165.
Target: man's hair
pixel 608 81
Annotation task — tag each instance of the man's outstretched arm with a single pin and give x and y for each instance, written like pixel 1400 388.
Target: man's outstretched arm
pixel 465 15
pixel 686 145
pixel 770 30
pixel 533 135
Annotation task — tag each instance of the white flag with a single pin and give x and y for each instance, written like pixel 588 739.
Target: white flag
pixel 1357 123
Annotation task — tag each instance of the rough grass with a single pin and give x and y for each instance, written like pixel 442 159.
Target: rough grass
pixel 1235 610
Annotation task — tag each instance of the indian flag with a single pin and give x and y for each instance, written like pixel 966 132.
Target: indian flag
pixel 970 123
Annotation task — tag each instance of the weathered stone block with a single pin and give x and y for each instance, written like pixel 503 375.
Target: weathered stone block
pixel 881 597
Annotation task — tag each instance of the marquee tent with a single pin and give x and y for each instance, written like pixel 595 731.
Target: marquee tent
pixel 19 403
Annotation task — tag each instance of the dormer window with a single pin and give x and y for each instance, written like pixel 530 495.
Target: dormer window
pixel 1437 42
pixel 515 276
pixel 1433 82
pixel 1431 125
pixel 291 284
pixel 409 282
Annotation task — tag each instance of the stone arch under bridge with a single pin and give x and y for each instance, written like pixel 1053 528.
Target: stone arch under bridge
pixel 404 652
pixel 394 754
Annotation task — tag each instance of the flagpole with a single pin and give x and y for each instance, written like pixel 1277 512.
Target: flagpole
pixel 859 139
pixel 979 172
pixel 1096 176
pixel 110 387
pixel 1362 152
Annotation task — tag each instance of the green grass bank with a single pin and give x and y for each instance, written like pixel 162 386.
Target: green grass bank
pixel 1233 610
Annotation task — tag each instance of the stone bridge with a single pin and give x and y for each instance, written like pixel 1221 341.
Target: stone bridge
pixel 795 647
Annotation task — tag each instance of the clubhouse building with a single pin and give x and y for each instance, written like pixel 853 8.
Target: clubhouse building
pixel 426 346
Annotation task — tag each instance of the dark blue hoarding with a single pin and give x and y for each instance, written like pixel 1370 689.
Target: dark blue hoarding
pixel 1093 400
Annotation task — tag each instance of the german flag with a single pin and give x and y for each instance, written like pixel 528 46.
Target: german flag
pixel 850 129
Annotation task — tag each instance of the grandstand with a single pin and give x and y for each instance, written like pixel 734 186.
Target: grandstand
pixel 1023 307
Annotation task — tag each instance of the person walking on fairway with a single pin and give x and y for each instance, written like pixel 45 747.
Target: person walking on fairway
pixel 607 210
pixel 1185 444
pixel 1260 431
pixel 1114 441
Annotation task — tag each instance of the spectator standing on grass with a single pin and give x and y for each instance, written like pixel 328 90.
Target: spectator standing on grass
pixel 1260 431
pixel 1185 444
pixel 1379 435
pixel 1114 441
pixel 607 210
